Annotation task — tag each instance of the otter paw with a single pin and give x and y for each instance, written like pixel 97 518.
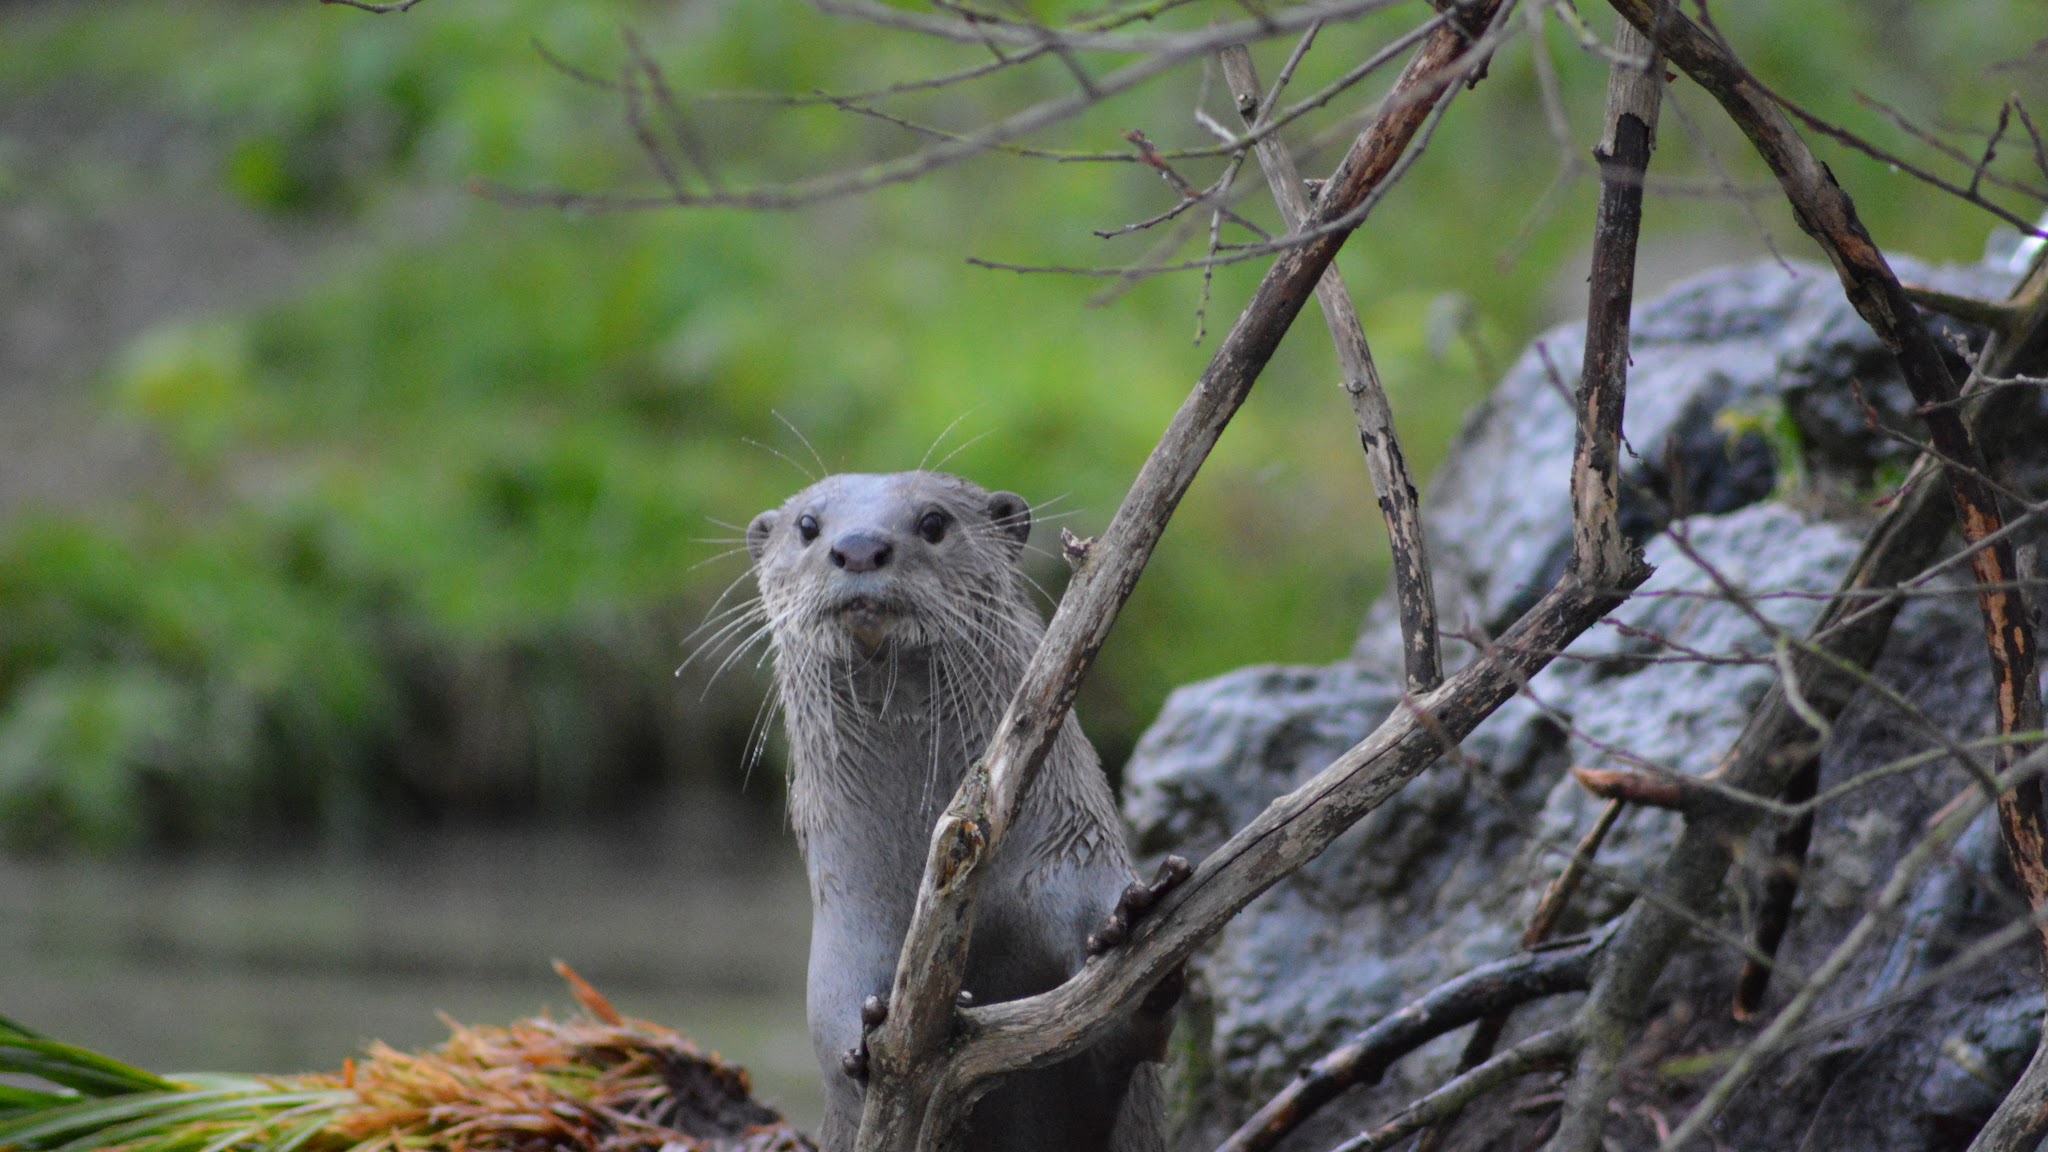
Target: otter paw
pixel 1137 900
pixel 873 1011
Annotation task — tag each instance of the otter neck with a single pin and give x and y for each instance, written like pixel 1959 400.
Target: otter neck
pixel 878 745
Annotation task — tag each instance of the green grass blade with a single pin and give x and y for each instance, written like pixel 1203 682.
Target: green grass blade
pixel 76 1067
pixel 168 1121
pixel 95 1114
pixel 301 1134
pixel 9 1026
pixel 322 1107
pixel 64 1074
pixel 12 1098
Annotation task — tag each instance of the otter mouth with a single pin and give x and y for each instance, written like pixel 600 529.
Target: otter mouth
pixel 868 618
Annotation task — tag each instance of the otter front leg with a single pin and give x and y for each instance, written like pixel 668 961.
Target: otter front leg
pixel 1152 1024
pixel 1137 900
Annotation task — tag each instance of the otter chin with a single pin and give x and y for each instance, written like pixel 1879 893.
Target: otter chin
pixel 899 625
pixel 869 621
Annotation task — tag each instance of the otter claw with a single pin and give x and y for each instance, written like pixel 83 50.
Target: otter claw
pixel 1138 899
pixel 1172 871
pixel 1106 937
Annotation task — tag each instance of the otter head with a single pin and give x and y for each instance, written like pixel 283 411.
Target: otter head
pixel 856 562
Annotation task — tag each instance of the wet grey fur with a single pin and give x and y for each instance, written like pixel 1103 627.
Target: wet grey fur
pixel 895 655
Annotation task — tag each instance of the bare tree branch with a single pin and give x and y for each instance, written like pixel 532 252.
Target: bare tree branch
pixel 1633 97
pixel 1164 53
pixel 1781 885
pixel 1557 896
pixel 1543 1050
pixel 1696 866
pixel 923 1074
pixel 1484 991
pixel 906 1068
pixel 1400 506
pixel 1895 891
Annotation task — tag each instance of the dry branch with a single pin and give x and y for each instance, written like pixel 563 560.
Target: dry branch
pixel 1761 760
pixel 1414 591
pixel 1633 97
pixel 1557 897
pixel 375 9
pixel 1161 54
pixel 1543 1050
pixel 1958 817
pixel 1620 785
pixel 1781 885
pixel 907 1061
pixel 1485 991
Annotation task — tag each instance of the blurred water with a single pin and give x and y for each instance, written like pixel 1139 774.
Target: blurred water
pixel 694 917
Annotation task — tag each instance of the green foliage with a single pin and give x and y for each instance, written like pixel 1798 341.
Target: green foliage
pixel 94 1101
pixel 74 1073
pixel 482 445
pixel 1779 429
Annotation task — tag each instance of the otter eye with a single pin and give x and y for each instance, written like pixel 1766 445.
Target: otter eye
pixel 807 527
pixel 933 527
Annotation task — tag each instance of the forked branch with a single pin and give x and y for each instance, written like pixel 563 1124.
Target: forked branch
pixel 930 1061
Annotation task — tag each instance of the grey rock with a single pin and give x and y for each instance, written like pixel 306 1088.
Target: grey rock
pixel 1734 374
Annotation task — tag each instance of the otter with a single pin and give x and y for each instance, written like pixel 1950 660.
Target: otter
pixel 899 627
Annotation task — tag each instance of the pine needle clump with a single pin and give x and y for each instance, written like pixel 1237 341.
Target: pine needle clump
pixel 597 1083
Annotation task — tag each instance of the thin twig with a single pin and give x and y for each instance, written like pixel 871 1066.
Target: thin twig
pixel 1895 891
pixel 1164 54
pixel 1486 990
pixel 1543 1050
pixel 1557 896
pixel 1695 869
pixel 1399 504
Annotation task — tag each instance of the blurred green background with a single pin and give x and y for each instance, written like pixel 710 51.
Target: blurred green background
pixel 339 503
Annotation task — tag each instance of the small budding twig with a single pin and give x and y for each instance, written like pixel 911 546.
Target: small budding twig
pixel 1414 591
pixel 1640 788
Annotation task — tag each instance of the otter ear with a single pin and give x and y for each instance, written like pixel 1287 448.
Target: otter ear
pixel 757 533
pixel 1011 516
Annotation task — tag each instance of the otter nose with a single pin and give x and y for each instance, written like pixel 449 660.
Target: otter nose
pixel 860 552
